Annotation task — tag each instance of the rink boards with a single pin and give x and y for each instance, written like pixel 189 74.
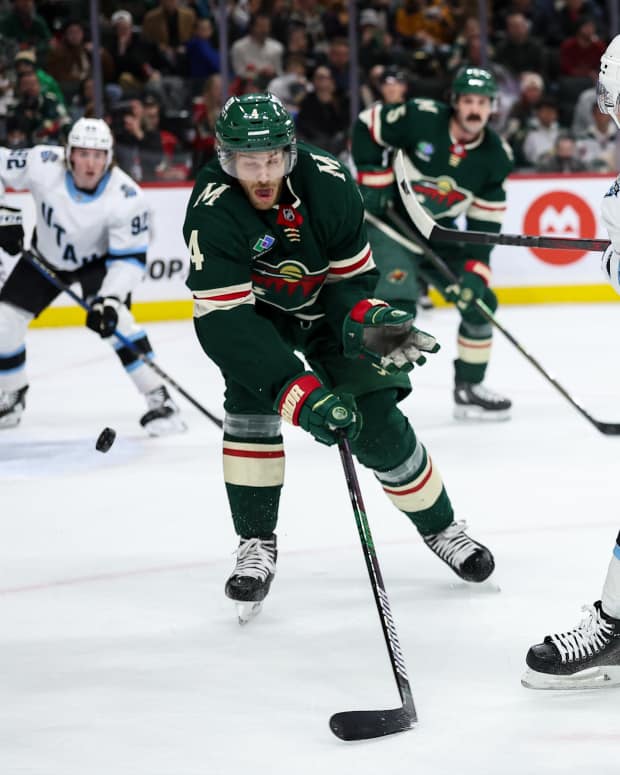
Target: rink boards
pixel 565 206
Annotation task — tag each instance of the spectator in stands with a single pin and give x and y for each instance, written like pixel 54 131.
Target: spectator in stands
pixel 205 110
pixel 375 44
pixel 336 19
pixel 139 149
pixel 582 113
pixel 26 62
pixel 293 85
pixel 580 54
pixel 24 25
pixel 523 113
pixel 323 117
pixel 520 51
pixel 541 135
pixel 69 61
pixel 203 58
pixel 298 43
pixel 563 157
pixel 424 22
pixel 83 102
pixel 598 146
pixel 308 13
pixel 563 20
pixel 370 89
pixel 136 59
pixel 42 117
pixel 16 132
pixel 257 53
pixel 170 26
pixel 338 60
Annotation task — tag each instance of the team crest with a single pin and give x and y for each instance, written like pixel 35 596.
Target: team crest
pixel 397 276
pixel 441 196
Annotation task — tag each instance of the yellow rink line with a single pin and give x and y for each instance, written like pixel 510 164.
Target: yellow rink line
pixel 180 310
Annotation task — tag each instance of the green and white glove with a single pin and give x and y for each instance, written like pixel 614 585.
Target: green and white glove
pixel 305 401
pixel 386 336
pixel 472 285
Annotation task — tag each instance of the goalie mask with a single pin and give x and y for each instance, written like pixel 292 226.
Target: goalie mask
pixel 254 123
pixel 608 87
pixel 91 133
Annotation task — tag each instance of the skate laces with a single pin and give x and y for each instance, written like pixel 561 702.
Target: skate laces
pixel 589 636
pixel 255 558
pixel 453 545
pixel 485 394
pixel 157 398
pixel 9 399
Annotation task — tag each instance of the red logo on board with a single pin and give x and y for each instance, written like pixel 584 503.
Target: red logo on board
pixel 559 214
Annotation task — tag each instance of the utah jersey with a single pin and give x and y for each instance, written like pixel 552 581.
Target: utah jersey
pixel 450 179
pixel 74 227
pixel 306 258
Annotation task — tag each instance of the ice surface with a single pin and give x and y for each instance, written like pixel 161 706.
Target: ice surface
pixel 120 655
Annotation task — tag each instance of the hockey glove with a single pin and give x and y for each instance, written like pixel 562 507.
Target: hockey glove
pixel 306 402
pixel 610 264
pixel 386 336
pixel 103 315
pixel 376 186
pixel 471 285
pixel 11 230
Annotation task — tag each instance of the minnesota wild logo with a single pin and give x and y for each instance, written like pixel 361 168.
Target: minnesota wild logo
pixel 263 243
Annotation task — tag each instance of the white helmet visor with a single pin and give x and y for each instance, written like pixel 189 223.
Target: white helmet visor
pixel 608 102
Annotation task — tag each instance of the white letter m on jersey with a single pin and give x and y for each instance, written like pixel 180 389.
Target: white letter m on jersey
pixel 331 166
pixel 210 193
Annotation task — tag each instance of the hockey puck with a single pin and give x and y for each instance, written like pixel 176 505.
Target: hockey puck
pixel 105 439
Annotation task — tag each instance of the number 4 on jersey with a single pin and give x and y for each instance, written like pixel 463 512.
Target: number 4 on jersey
pixel 195 256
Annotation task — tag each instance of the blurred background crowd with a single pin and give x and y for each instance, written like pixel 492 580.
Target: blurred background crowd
pixel 165 74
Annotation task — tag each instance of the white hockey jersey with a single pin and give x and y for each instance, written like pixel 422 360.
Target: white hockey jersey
pixel 72 227
pixel 610 212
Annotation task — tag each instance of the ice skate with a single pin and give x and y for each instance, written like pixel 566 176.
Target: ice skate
pixel 477 402
pixel 586 657
pixel 12 405
pixel 249 583
pixel 467 558
pixel 163 417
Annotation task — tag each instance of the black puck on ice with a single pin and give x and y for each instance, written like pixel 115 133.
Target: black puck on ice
pixel 105 439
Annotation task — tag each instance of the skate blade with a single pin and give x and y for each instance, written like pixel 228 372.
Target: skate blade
pixel 593 678
pixel 246 611
pixel 477 414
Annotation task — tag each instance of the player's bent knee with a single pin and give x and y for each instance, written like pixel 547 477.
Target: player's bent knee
pixel 386 438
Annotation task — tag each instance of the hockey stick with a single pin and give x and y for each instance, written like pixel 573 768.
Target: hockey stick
pixel 51 276
pixel 608 428
pixel 430 229
pixel 365 724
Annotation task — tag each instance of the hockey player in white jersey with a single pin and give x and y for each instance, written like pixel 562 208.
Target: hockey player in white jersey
pixel 588 656
pixel 92 228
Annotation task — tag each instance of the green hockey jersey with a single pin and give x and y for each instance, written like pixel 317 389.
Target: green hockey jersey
pixel 450 179
pixel 257 275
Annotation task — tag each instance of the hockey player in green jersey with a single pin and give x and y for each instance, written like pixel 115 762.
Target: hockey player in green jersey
pixel 279 263
pixel 457 166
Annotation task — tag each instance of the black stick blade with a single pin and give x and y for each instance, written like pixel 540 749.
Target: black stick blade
pixel 608 428
pixel 366 724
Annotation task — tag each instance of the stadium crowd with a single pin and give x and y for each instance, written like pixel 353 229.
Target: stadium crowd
pixel 161 70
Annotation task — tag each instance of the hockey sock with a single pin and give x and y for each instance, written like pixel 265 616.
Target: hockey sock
pixel 474 349
pixel 144 378
pixel 610 598
pixel 253 472
pixel 387 445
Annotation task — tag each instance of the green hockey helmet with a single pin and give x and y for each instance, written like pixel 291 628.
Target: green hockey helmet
pixel 474 80
pixel 254 122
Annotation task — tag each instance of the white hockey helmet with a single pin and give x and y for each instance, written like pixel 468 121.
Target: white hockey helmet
pixel 608 88
pixel 91 133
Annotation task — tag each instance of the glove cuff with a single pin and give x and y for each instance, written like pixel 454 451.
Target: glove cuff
pixel 291 399
pixel 480 269
pixel 366 310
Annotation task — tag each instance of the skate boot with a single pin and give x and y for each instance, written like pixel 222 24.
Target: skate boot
pixel 163 416
pixel 249 583
pixel 586 657
pixel 467 558
pixel 12 405
pixel 476 402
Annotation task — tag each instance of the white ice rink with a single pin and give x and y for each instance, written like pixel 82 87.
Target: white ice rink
pixel 120 655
